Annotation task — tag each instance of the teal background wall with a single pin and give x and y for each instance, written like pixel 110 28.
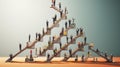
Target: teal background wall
pixel 99 18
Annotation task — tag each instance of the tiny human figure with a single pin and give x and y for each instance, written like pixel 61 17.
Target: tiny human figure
pixel 71 37
pixel 36 35
pixel 66 12
pixel 31 57
pixel 20 46
pixel 69 23
pixel 61 13
pixel 53 20
pixel 26 59
pixel 82 58
pixel 30 52
pixel 111 57
pixel 53 38
pixel 65 56
pixel 66 24
pixel 62 32
pixel 39 37
pixel 88 53
pixel 70 52
pixel 79 45
pixel 55 17
pixel 76 58
pixel 85 40
pixel 47 24
pixel 54 3
pixel 43 31
pixel 48 56
pixel 59 5
pixel 97 50
pixel 11 56
pixel 40 51
pixel 60 45
pixel 29 37
pixel 55 51
pixel 72 25
pixel 77 32
pixel 105 54
pixel 81 31
pixel 67 39
pixel 73 20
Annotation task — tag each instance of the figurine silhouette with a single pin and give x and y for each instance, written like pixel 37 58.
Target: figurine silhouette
pixel 59 5
pixel 70 52
pixel 69 23
pixel 76 58
pixel 39 35
pixel 29 37
pixel 60 45
pixel 66 24
pixel 47 24
pixel 20 46
pixel 61 13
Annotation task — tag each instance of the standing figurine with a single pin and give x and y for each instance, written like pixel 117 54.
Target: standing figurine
pixel 30 52
pixel 53 39
pixel 69 23
pixel 66 24
pixel 40 51
pixel 11 56
pixel 76 58
pixel 67 39
pixel 29 37
pixel 59 5
pixel 61 13
pixel 39 37
pixel 66 12
pixel 62 31
pixel 85 40
pixel 48 56
pixel 70 52
pixel 55 17
pixel 79 45
pixel 47 24
pixel 111 57
pixel 82 58
pixel 20 46
pixel 81 31
pixel 54 3
pixel 60 45
pixel 65 56
pixel 71 37
pixel 77 32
